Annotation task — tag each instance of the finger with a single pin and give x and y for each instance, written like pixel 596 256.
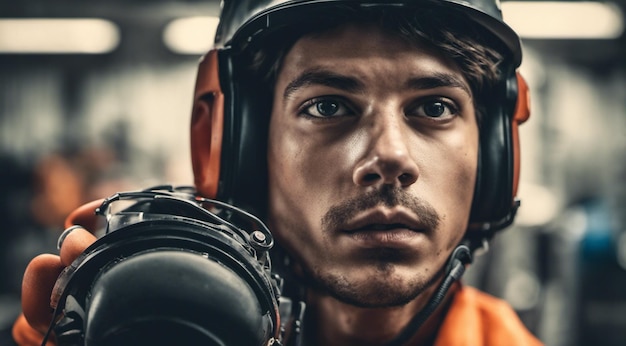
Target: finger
pixel 39 278
pixel 74 244
pixel 25 335
pixel 84 215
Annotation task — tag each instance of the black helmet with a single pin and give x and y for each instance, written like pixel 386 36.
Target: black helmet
pixel 242 21
pixel 231 106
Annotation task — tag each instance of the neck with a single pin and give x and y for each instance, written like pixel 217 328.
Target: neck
pixel 332 322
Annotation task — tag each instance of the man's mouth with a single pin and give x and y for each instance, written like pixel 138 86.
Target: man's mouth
pixel 385 228
pixel 383 219
pixel 382 227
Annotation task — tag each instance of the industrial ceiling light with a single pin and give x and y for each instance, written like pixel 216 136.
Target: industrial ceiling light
pixel 58 36
pixel 564 20
pixel 190 35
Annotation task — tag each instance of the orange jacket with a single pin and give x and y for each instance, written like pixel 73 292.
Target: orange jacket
pixel 478 319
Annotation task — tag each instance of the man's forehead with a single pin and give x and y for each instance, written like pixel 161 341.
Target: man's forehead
pixel 350 28
pixel 358 39
pixel 357 49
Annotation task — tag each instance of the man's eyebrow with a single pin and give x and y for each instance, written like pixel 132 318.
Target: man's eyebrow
pixel 325 78
pixel 438 80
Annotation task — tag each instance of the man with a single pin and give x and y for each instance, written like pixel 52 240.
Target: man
pixel 390 132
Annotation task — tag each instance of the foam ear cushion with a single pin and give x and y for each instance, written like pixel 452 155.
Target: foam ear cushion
pixel 228 152
pixel 244 155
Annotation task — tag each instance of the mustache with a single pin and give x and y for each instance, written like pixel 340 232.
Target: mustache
pixel 389 196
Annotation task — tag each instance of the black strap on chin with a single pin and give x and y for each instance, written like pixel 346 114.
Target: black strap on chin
pixel 461 256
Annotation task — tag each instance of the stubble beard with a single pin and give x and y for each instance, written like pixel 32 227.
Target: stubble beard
pixel 380 291
pixel 384 288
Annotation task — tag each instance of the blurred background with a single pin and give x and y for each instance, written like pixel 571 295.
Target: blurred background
pixel 95 98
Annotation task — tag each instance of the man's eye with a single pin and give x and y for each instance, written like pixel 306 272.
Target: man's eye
pixel 435 109
pixel 324 108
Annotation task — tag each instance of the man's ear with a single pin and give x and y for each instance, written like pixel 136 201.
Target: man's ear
pixel 207 126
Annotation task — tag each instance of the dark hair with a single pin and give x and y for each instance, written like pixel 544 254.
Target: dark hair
pixel 475 51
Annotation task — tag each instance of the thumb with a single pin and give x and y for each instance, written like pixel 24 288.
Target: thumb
pixel 41 275
pixel 39 278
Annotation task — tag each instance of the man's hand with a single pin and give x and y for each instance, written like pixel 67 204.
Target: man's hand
pixel 38 283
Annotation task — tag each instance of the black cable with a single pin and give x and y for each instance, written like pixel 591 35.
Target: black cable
pixel 460 257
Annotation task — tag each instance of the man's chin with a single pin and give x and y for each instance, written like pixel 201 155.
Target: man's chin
pixel 379 291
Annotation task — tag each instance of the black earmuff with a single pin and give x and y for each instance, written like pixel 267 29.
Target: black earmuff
pixel 244 163
pixel 169 271
pixel 495 203
pixel 229 127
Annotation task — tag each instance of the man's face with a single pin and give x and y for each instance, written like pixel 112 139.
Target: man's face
pixel 372 159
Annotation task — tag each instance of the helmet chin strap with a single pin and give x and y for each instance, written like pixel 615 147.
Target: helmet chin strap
pixel 460 257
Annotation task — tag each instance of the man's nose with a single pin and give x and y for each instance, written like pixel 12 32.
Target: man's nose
pixel 388 160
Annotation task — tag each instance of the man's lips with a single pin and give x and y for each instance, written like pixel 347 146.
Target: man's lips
pixel 385 228
pixel 383 220
pixel 381 227
pixel 393 238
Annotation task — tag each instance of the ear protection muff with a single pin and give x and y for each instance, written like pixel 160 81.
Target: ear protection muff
pixel 494 203
pixel 228 151
pixel 140 281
